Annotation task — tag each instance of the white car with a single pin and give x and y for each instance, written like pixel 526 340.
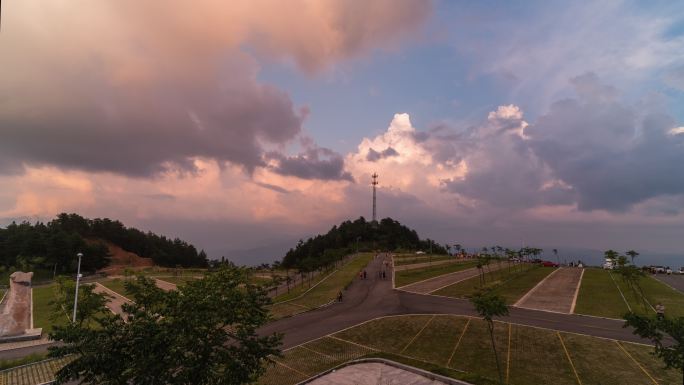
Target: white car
pixel 680 271
pixel 668 271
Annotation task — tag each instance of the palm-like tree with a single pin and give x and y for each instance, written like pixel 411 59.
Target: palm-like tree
pixel 488 306
pixel 632 254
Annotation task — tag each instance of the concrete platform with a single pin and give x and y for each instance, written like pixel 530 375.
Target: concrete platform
pixel 381 372
pixel 557 292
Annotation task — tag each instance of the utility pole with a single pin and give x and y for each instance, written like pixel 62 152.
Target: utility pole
pixel 78 278
pixel 374 183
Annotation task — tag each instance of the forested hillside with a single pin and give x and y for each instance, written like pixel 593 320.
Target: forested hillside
pixel 341 240
pixel 54 245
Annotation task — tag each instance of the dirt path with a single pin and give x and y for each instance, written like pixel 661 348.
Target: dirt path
pixel 554 293
pixel 164 285
pixel 116 300
pixel 433 284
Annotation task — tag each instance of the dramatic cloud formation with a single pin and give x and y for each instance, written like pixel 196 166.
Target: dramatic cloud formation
pixel 139 88
pixel 612 154
pixel 314 163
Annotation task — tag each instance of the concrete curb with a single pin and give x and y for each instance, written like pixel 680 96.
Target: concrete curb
pixel 414 370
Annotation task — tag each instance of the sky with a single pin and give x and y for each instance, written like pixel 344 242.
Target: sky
pixel 244 126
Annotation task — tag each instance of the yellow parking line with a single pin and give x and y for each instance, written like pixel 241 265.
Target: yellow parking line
pixel 291 368
pixel 635 361
pixel 508 359
pixel 569 359
pixel 417 334
pixel 458 342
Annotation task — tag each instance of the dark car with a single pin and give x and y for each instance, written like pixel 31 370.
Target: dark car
pixel 549 264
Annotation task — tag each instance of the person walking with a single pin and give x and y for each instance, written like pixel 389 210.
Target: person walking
pixel 339 296
pixel 660 311
pixel 365 275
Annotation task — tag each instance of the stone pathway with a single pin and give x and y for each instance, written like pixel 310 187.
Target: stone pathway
pixel 556 292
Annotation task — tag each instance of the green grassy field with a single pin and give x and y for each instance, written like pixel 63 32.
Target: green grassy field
pixel 42 310
pixel 511 285
pixel 460 347
pixel 326 290
pixel 411 259
pixel 599 296
pixel 402 278
pixel 116 285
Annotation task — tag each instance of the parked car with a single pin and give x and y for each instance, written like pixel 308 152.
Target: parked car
pixel 549 264
pixel 668 271
pixel 609 265
pixel 657 269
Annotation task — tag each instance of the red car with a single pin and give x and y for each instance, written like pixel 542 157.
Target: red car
pixel 549 264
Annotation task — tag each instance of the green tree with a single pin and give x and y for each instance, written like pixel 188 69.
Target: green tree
pixel 632 254
pixel 611 254
pixel 489 305
pixel 666 334
pixel 202 333
pixel 89 302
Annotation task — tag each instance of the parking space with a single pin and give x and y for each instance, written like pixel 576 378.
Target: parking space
pixel 557 292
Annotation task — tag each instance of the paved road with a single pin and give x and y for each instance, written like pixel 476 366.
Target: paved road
pixel 116 300
pixel 439 282
pixel 555 293
pixel 372 298
pixel 676 281
pixel 164 285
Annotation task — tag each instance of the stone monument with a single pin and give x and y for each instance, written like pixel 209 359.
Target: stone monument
pixel 16 310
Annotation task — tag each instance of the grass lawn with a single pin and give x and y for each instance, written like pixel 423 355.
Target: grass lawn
pixel 42 310
pixel 533 349
pixel 656 291
pixel 510 285
pixel 599 296
pixel 327 289
pixel 527 355
pixel 116 285
pixel 421 259
pixel 402 278
pixel 603 362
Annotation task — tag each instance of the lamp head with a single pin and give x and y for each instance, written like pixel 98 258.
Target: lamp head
pixel 79 255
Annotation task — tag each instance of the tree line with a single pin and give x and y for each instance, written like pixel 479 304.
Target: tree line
pixel 54 245
pixel 357 235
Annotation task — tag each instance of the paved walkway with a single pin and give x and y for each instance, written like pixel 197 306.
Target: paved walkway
pixel 116 300
pixel 164 285
pixel 554 293
pixel 439 282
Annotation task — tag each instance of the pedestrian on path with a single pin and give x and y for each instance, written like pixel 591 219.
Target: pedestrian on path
pixel 383 275
pixel 339 296
pixel 660 311
pixel 365 275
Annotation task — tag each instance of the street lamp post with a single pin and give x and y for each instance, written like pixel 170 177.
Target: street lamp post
pixel 78 278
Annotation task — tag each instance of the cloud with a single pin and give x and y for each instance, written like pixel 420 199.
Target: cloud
pixel 143 89
pixel 613 155
pixel 675 77
pixel 314 163
pixel 502 170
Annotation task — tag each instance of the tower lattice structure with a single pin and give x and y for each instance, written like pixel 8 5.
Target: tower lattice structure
pixel 375 184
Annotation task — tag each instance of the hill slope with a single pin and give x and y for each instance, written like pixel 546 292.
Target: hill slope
pixel 341 240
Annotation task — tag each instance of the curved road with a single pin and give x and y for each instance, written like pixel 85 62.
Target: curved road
pixel 372 298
